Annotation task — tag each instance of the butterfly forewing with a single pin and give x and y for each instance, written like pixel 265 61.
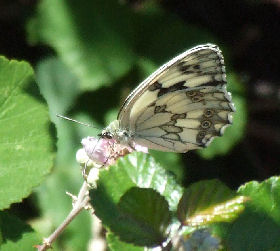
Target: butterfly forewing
pixel 181 106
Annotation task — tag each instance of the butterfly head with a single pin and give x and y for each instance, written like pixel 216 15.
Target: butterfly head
pixel 106 135
pixel 113 131
pixel 110 131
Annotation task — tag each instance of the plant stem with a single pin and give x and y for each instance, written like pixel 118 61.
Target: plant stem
pixel 78 206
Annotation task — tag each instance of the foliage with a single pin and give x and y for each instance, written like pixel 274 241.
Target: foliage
pixel 137 214
pixel 94 54
pixel 26 147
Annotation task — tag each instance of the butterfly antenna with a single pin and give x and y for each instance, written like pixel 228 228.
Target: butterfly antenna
pixel 76 121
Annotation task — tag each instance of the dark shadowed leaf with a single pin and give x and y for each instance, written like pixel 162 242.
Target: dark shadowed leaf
pixel 16 235
pixel 144 218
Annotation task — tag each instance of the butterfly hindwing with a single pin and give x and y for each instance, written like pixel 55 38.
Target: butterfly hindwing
pixel 183 120
pixel 181 106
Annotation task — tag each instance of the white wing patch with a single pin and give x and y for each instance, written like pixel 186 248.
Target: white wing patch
pixel 181 106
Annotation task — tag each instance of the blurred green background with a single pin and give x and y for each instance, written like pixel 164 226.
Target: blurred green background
pixel 89 55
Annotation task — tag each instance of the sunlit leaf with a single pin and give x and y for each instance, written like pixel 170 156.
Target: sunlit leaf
pixel 207 202
pixel 258 226
pixel 26 142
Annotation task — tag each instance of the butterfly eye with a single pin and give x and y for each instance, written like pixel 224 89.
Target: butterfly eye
pixel 206 124
pixel 107 135
pixel 208 113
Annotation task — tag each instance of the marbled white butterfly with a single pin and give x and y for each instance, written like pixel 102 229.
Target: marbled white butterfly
pixel 181 106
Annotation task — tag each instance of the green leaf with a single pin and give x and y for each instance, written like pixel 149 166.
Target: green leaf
pixel 134 170
pixel 26 146
pixel 144 217
pixel 57 84
pixel 93 38
pixel 171 162
pixel 234 133
pixel 206 202
pixel 16 235
pixel 258 227
pixel 137 169
pixel 115 244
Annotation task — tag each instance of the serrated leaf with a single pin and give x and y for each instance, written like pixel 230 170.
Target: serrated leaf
pixel 258 227
pixel 26 146
pixel 234 133
pixel 207 202
pixel 93 38
pixel 144 217
pixel 136 169
pixel 16 235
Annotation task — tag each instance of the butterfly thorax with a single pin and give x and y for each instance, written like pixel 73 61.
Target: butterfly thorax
pixel 113 131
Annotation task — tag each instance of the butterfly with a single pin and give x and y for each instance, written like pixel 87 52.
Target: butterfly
pixel 180 107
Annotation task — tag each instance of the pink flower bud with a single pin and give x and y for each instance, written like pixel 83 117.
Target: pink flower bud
pixel 107 151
